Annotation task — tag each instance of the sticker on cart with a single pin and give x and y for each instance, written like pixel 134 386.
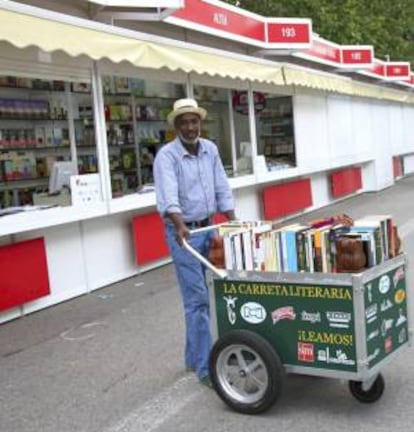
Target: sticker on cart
pixel 386 304
pixel 385 326
pixel 388 344
pixel 306 352
pixel 230 307
pixel 374 355
pixel 371 313
pixel 369 289
pixel 399 275
pixel 402 336
pixel 283 313
pixel 312 317
pixel 253 313
pixel 384 284
pixel 338 319
pixel 373 335
pixel 338 357
pixel 399 296
pixel 401 318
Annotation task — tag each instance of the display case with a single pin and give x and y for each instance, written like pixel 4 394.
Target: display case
pixel 275 131
pixel 136 123
pixel 41 122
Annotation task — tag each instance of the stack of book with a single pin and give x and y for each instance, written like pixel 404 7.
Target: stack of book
pixel 309 247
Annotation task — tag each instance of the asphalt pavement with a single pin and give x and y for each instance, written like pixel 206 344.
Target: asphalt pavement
pixel 111 361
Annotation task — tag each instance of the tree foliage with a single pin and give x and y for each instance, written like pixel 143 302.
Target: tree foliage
pixel 387 25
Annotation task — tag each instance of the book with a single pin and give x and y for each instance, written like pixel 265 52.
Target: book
pixel 382 222
pixel 335 231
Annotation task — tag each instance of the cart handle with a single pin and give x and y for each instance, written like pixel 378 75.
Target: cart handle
pixel 221 273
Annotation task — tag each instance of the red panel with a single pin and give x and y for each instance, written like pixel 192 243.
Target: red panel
pixel 149 240
pixel 357 56
pixel 223 19
pixel 289 32
pixel 286 198
pixel 397 166
pixel 345 182
pixel 219 218
pixel 24 275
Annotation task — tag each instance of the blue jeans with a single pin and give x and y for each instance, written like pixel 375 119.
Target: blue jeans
pixel 192 281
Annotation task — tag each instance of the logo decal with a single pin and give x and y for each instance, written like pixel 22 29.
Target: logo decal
pixel 312 317
pixel 338 319
pixel 306 352
pixel 384 284
pixel 285 312
pixel 253 313
pixel 339 358
pixel 399 274
pixel 230 306
pixel 399 296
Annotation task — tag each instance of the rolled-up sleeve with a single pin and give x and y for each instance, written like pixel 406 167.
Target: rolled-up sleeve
pixel 166 186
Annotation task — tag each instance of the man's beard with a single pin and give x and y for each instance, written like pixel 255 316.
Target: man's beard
pixel 187 141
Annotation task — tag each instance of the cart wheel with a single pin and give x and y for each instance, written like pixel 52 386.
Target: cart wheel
pixel 246 372
pixel 372 394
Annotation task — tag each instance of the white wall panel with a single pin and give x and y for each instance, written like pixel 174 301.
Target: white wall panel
pixel 341 142
pixel 382 147
pixel 362 127
pixel 396 118
pixel 108 249
pixel 320 190
pixel 409 164
pixel 66 264
pixel 408 120
pixel 311 132
pixel 248 204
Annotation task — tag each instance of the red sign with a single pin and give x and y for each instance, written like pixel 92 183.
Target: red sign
pixel 225 18
pixel 323 50
pixel 391 71
pixel 288 31
pixel 411 80
pixel 399 70
pixel 241 102
pixel 222 19
pixel 357 55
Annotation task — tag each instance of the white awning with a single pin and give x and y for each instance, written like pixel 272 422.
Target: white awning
pixel 103 41
pixel 308 78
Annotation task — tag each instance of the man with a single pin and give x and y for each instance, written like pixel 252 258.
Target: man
pixel 191 186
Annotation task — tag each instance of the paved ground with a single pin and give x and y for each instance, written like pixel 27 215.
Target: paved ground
pixel 111 361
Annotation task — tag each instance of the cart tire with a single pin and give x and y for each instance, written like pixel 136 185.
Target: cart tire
pixel 246 372
pixel 372 394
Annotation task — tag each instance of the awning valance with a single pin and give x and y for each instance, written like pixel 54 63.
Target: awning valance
pixel 328 83
pixel 24 30
pixel 317 81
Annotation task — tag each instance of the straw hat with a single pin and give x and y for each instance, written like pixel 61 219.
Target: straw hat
pixel 185 106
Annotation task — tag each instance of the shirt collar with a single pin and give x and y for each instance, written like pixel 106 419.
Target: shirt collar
pixel 183 151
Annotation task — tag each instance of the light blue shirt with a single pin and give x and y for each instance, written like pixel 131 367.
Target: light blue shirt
pixel 194 185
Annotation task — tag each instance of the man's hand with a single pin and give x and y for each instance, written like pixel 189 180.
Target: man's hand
pixel 180 227
pixel 182 233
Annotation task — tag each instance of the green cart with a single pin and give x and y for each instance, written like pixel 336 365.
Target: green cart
pixel 267 324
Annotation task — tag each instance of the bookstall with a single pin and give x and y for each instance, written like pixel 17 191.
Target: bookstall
pixel 84 93
pixel 327 298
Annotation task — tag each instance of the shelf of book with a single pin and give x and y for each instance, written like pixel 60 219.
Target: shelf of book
pixel 38 120
pixel 330 245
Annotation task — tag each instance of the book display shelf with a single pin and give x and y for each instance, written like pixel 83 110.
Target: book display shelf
pixel 39 122
pixel 276 132
pixel 135 113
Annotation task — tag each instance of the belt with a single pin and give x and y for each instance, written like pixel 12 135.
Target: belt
pixel 198 224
